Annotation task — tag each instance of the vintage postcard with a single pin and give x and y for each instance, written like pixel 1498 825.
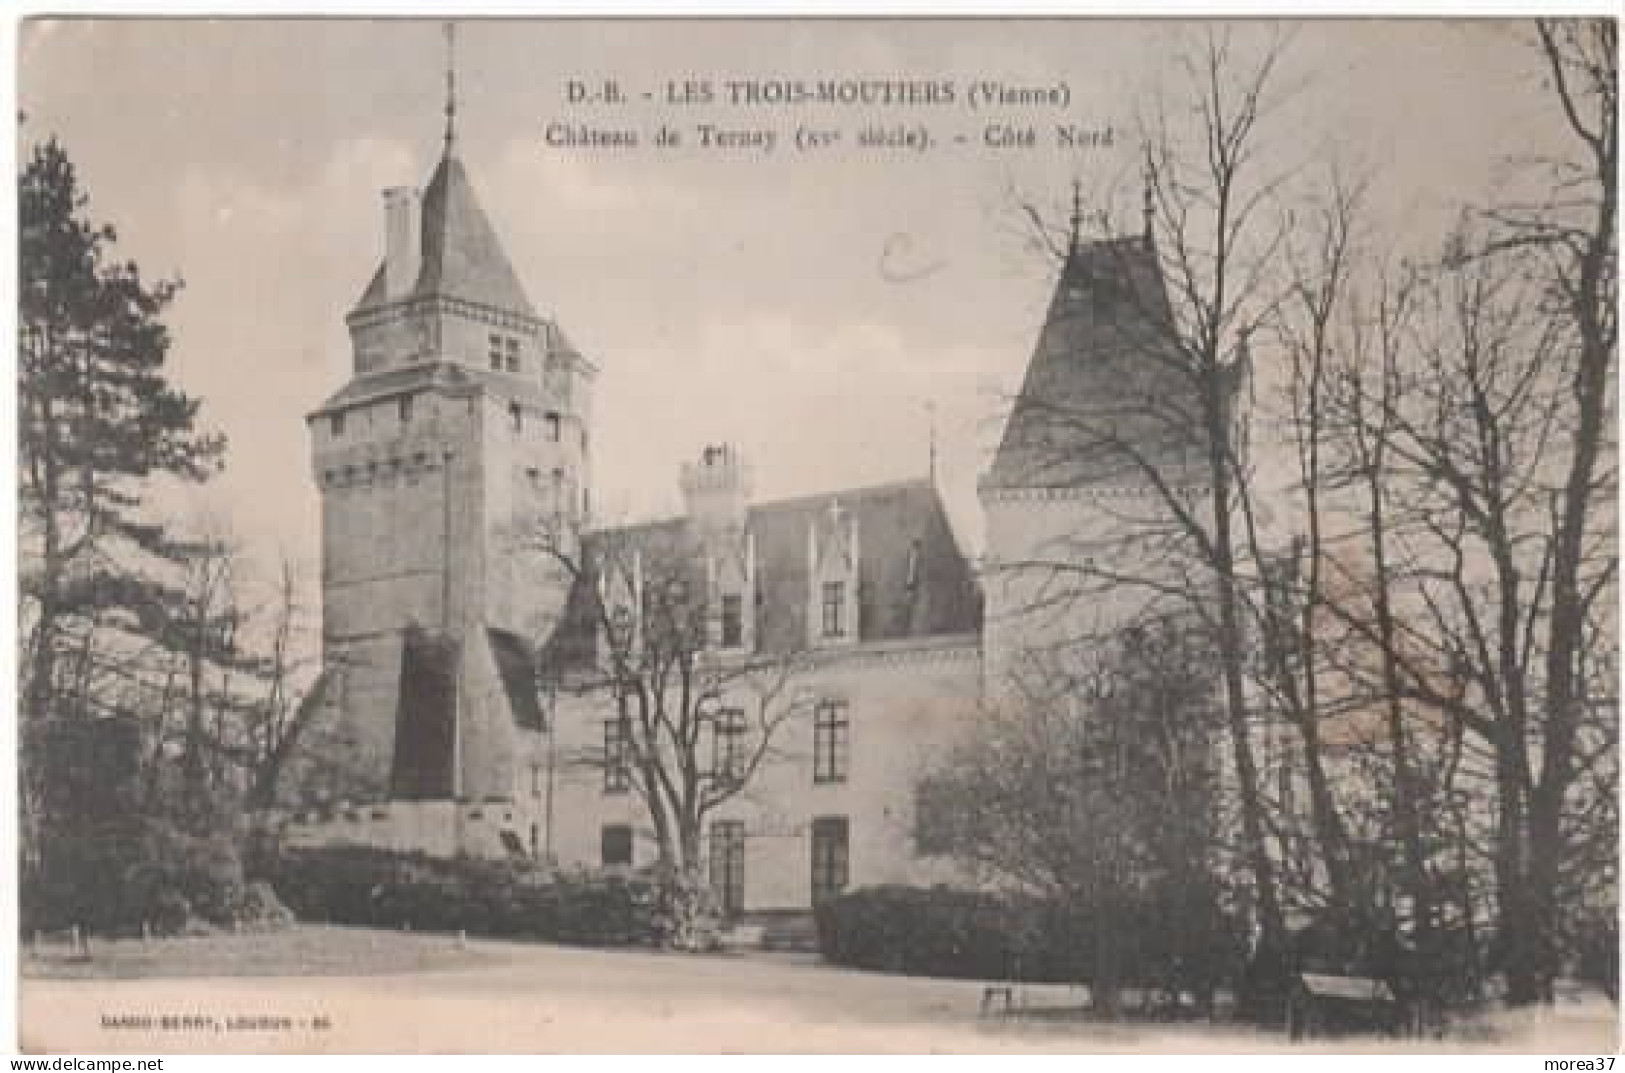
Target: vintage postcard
pixel 817 535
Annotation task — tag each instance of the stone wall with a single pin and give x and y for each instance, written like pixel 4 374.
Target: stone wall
pixel 908 702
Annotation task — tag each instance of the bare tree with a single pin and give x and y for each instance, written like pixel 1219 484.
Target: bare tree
pixel 691 725
pixel 1182 539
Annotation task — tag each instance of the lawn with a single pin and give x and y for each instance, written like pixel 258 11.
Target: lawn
pixel 346 990
pixel 309 951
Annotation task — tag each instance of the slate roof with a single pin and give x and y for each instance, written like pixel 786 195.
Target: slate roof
pixel 387 383
pixel 892 518
pixel 1104 371
pixel 462 257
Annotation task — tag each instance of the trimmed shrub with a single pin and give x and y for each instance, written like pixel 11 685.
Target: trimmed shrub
pixel 935 932
pixel 113 878
pixel 940 931
pixel 378 888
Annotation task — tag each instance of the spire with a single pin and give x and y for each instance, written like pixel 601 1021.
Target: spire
pixel 451 87
pixel 1150 208
pixel 1076 231
pixel 931 432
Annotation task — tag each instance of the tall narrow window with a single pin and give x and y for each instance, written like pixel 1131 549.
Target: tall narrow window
pixel 728 748
pixel 616 777
pixel 405 408
pixel 728 865
pixel 496 353
pixel 830 857
pixel 831 727
pixel 516 416
pixel 733 620
pixel 510 347
pixel 338 423
pixel 834 609
pixel 551 423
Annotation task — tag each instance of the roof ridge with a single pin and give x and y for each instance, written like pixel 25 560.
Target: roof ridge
pixel 804 500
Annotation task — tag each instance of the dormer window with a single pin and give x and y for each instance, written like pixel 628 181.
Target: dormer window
pixel 620 628
pixel 834 617
pixel 733 620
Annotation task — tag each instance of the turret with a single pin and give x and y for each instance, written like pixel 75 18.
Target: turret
pixel 716 491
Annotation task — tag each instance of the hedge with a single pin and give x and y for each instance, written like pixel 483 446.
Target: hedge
pixel 141 873
pixel 941 931
pixel 378 888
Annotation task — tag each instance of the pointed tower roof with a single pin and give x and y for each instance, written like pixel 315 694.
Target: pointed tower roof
pixel 462 257
pixel 1106 348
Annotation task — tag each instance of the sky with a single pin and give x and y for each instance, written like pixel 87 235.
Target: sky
pixel 806 309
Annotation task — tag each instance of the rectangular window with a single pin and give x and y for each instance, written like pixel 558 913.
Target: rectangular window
pixel 733 620
pixel 551 422
pixel 516 417
pixel 496 353
pixel 830 729
pixel 830 857
pixel 728 744
pixel 511 352
pixel 834 609
pixel 616 777
pixel 406 408
pixel 338 424
pixel 728 865
pixel 615 844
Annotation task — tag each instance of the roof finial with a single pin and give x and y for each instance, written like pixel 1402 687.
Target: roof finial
pixel 931 425
pixel 1077 215
pixel 451 86
pixel 1150 208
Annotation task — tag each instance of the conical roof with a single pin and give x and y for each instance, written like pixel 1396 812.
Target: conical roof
pixel 1105 368
pixel 462 256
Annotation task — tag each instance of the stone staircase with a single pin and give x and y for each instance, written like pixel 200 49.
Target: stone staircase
pixel 777 930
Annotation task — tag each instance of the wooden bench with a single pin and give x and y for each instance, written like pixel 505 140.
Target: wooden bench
pixel 1321 1004
pixel 993 992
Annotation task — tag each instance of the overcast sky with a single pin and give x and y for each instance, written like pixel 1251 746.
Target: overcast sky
pixel 734 298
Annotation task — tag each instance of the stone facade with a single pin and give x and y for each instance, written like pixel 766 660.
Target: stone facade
pixel 460 572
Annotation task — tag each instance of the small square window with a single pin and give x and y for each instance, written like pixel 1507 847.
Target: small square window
pixel 615 844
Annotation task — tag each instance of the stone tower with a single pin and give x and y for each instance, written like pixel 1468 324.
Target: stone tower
pixel 1078 533
pixel 454 469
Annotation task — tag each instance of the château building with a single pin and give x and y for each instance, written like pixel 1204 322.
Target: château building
pixel 455 471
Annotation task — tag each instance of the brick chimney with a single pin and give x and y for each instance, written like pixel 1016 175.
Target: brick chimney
pixel 403 240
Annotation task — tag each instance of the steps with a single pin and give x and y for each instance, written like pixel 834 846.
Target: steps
pixel 780 930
